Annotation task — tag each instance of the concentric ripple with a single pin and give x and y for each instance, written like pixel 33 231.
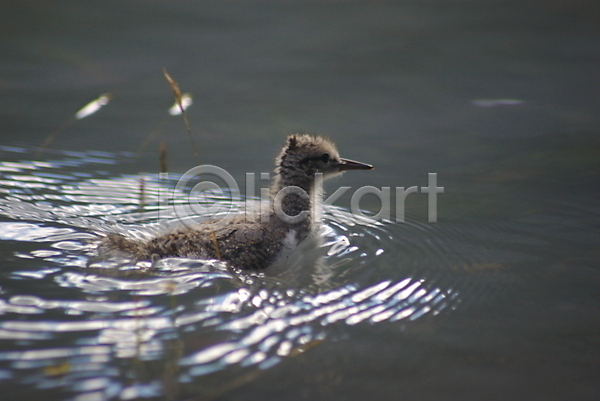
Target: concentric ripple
pixel 71 322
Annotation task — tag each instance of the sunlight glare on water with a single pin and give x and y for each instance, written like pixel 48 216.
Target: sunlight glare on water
pixel 116 309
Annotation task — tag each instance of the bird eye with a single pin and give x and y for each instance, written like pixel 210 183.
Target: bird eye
pixel 325 158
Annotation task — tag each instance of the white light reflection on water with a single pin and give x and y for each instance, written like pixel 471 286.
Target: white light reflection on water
pixel 281 324
pixel 197 315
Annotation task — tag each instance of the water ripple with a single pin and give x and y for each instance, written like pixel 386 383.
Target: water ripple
pixel 199 316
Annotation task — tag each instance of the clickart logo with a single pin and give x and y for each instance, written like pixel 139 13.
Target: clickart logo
pixel 210 191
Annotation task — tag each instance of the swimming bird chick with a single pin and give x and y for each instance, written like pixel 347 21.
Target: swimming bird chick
pixel 254 242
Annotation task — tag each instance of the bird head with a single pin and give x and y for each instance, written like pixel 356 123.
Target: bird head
pixel 305 155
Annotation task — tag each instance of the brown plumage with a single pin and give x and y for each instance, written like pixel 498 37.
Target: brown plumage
pixel 249 242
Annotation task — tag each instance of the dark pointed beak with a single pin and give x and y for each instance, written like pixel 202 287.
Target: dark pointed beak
pixel 352 165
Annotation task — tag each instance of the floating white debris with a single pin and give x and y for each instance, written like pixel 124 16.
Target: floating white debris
pixel 186 101
pixel 93 106
pixel 497 102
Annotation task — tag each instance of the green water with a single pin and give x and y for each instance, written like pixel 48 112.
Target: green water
pixel 496 300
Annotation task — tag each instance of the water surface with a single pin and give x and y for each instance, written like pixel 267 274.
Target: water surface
pixel 498 299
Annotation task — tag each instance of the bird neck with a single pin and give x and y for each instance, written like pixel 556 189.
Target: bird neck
pixel 296 195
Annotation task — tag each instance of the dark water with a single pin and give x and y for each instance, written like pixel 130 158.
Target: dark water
pixel 498 299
